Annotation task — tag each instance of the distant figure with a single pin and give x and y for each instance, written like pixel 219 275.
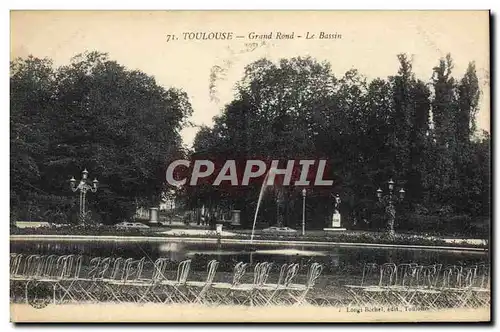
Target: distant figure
pixel 187 219
pixel 213 221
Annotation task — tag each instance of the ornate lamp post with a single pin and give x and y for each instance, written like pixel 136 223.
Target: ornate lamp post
pixel 280 199
pixel 388 201
pixel 304 192
pixel 83 187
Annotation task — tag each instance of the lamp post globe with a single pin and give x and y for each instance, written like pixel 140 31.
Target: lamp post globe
pixel 391 185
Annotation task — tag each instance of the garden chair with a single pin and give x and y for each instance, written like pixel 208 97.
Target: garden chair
pixel 66 285
pixel 244 293
pixel 199 289
pixel 49 272
pixel 298 292
pixel 370 277
pixel 94 287
pixel 15 264
pixel 261 290
pixel 166 290
pixel 225 291
pixel 279 292
pixel 481 295
pixel 427 293
pixel 400 283
pixel 124 289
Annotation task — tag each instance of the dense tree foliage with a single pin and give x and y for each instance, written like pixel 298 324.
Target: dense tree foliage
pixel 422 134
pixel 95 114
pixel 124 128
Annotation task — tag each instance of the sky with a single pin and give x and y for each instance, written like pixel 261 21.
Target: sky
pixel 370 42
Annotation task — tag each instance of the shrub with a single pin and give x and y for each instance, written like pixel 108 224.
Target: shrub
pixel 346 237
pixel 447 225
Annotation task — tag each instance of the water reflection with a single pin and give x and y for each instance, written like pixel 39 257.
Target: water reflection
pixel 173 251
pixel 216 253
pixel 336 256
pixel 289 252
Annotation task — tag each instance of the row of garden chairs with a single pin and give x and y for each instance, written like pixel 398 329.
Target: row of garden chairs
pixel 428 286
pixel 108 279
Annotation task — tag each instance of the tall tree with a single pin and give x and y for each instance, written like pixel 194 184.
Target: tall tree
pixel 368 131
pixel 468 100
pixel 418 138
pixel 465 126
pixel 404 114
pixel 120 124
pixel 444 104
pixel 442 171
pixel 32 84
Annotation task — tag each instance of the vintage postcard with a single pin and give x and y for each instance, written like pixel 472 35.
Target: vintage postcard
pixel 250 166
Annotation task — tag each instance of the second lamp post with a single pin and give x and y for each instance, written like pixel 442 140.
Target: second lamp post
pixel 304 192
pixel 388 201
pixel 83 187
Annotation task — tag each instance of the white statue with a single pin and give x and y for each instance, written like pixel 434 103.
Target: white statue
pixel 336 214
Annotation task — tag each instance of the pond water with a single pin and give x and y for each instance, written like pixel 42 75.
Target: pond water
pixel 229 254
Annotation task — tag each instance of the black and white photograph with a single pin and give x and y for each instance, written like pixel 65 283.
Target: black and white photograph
pixel 250 166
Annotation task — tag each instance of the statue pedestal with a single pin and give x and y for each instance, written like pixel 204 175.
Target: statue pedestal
pixel 336 226
pixel 235 218
pixel 338 229
pixel 153 215
pixel 218 229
